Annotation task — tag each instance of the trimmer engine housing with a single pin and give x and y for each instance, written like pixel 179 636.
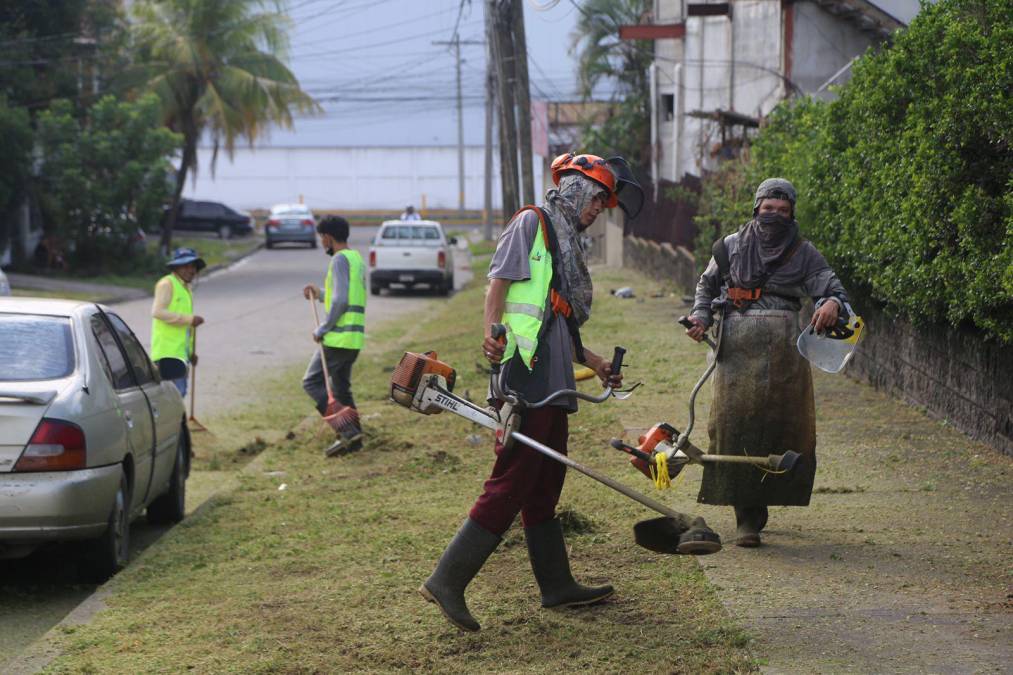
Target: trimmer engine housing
pixel 411 376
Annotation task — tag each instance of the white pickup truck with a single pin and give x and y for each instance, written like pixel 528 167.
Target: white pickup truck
pixel 411 252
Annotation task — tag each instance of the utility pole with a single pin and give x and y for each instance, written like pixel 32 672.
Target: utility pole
pixel 523 102
pixel 490 102
pixel 503 58
pixel 456 44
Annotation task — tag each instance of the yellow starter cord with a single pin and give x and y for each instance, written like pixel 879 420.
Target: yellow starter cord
pixel 659 472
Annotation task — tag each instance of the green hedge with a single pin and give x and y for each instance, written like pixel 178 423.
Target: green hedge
pixel 906 180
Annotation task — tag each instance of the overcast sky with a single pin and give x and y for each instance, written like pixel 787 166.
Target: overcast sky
pixel 359 51
pixel 374 68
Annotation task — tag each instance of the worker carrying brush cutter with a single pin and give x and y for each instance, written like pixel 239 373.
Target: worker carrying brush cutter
pixel 541 289
pixel 172 319
pixel 341 334
pixel 763 388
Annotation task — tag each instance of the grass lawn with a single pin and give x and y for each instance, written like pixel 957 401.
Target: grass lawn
pixel 63 295
pixel 312 564
pixel 213 251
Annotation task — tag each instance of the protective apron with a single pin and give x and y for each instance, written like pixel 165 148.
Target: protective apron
pixel 763 404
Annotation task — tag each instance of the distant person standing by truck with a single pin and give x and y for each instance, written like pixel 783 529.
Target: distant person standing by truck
pixel 343 329
pixel 173 322
pixel 410 213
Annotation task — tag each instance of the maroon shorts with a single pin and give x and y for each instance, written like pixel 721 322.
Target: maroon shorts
pixel 524 480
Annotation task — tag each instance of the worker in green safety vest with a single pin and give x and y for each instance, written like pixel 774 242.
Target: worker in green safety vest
pixel 342 334
pixel 172 319
pixel 540 287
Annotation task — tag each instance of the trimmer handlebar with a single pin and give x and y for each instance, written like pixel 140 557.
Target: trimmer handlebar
pixel 502 391
pixel 617 360
pixel 688 324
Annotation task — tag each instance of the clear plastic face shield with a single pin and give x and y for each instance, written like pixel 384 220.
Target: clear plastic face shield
pixel 832 349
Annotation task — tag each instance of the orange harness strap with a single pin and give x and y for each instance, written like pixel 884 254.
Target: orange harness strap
pixel 740 296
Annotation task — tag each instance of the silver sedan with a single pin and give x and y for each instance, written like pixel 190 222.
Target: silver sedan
pixel 90 436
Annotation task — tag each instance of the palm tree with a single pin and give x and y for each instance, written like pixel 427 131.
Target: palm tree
pixel 603 57
pixel 218 68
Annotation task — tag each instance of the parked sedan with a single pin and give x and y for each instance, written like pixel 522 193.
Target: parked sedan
pixel 291 223
pixel 201 216
pixel 90 436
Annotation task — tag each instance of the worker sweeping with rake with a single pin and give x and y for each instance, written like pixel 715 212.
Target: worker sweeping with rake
pixel 340 336
pixel 540 290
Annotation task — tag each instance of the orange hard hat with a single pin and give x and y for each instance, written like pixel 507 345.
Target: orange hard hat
pixel 592 166
pixel 614 175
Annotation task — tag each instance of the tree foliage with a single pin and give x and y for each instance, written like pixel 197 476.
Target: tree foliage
pixel 15 160
pixel 58 49
pixel 218 69
pixel 906 180
pixel 106 177
pixel 603 58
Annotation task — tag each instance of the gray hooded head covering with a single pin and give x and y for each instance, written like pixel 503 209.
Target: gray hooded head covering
pixel 564 206
pixel 775 188
pixel 766 239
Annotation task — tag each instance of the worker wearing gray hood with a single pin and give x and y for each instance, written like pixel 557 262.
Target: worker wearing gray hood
pixel 763 391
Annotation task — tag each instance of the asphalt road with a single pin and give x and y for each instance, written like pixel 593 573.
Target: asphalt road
pixel 257 320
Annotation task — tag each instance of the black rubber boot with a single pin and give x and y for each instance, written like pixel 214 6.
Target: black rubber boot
pixel 749 521
pixel 464 557
pixel 547 552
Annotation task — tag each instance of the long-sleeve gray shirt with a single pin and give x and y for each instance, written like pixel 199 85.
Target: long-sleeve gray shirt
pixel 806 274
pixel 339 293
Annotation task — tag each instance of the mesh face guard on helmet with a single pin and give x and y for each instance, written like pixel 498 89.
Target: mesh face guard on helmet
pixel 614 175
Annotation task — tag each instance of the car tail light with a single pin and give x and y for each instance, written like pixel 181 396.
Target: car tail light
pixel 273 223
pixel 441 259
pixel 372 258
pixel 307 221
pixel 55 446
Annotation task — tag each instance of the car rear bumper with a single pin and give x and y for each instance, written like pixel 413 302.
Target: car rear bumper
pixel 407 277
pixel 281 237
pixel 57 505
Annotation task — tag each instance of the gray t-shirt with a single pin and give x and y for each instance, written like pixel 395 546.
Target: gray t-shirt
pixel 340 272
pixel 552 369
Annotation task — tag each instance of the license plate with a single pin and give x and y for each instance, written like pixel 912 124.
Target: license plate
pixel 406 277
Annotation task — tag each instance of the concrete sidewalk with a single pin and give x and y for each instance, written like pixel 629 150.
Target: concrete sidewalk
pixel 901 563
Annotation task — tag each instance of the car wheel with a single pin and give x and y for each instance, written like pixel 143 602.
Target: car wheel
pixel 269 244
pixel 313 244
pixel 224 231
pixel 374 289
pixel 170 507
pixel 108 554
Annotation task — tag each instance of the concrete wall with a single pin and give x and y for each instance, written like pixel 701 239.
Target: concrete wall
pixel 954 375
pixel 661 261
pixel 346 177
pixel 823 45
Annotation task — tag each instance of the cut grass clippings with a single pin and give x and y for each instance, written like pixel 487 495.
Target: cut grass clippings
pixel 312 564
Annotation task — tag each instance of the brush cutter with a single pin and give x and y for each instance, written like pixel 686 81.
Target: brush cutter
pixel 424 384
pixel 662 452
pixel 343 419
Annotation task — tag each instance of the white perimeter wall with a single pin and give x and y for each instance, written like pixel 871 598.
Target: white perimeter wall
pixel 353 178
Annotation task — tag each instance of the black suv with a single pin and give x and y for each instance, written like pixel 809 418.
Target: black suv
pixel 212 217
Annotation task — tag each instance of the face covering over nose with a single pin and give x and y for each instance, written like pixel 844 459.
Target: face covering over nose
pixel 762 243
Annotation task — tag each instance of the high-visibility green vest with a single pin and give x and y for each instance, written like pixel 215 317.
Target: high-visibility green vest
pixel 168 341
pixel 527 303
pixel 350 331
